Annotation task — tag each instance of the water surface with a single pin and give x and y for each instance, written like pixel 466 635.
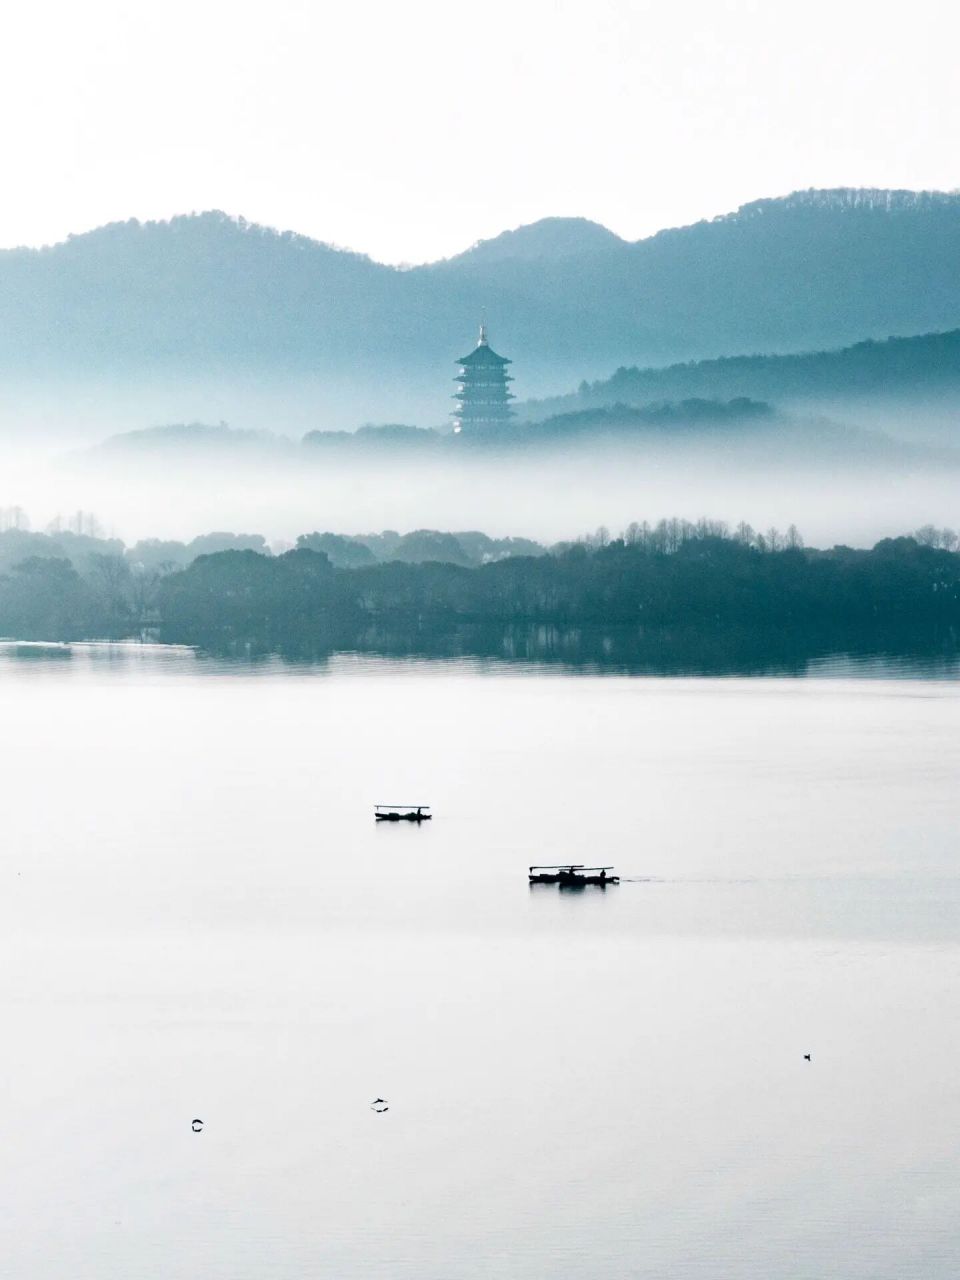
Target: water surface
pixel 200 918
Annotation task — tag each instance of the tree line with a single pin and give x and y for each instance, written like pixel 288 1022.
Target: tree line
pixel 674 574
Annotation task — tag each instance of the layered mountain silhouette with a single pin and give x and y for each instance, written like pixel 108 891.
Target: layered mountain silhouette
pixel 925 367
pixel 213 295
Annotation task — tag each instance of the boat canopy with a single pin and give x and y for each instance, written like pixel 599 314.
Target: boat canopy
pixel 567 866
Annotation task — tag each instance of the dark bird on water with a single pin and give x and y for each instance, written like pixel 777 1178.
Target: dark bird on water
pixel 806 1057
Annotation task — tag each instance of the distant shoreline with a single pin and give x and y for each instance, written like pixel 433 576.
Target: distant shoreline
pixel 673 593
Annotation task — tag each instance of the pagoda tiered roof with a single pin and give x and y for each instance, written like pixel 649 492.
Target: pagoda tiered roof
pixel 483 354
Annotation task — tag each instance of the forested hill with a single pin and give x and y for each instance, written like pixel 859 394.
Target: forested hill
pixel 564 296
pixel 927 365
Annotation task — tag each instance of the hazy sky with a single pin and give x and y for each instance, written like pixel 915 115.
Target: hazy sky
pixel 409 130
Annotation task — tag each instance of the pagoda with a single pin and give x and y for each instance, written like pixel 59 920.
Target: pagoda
pixel 482 397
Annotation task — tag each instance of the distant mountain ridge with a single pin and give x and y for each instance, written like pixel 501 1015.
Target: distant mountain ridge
pixel 927 365
pixel 548 238
pixel 216 296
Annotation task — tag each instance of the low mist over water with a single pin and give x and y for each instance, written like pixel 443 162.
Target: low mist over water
pixel 836 495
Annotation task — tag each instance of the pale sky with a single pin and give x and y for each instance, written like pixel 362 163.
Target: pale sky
pixel 409 130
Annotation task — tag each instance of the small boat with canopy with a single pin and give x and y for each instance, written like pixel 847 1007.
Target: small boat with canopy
pixel 572 875
pixel 402 813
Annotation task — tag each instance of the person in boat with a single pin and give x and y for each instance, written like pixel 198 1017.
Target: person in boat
pixel 603 875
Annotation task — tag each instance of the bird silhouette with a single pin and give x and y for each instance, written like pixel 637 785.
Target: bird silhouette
pixel 807 1058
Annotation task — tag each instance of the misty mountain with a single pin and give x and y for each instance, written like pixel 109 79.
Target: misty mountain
pixel 212 297
pixel 190 441
pixel 694 427
pixel 924 367
pixel 550 238
pixel 188 438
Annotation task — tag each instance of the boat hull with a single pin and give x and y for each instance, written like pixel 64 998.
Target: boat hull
pixel 574 882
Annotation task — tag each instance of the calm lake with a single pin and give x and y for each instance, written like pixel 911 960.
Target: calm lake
pixel 200 919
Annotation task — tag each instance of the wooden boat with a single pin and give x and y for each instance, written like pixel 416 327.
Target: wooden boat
pixel 572 875
pixel 402 813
